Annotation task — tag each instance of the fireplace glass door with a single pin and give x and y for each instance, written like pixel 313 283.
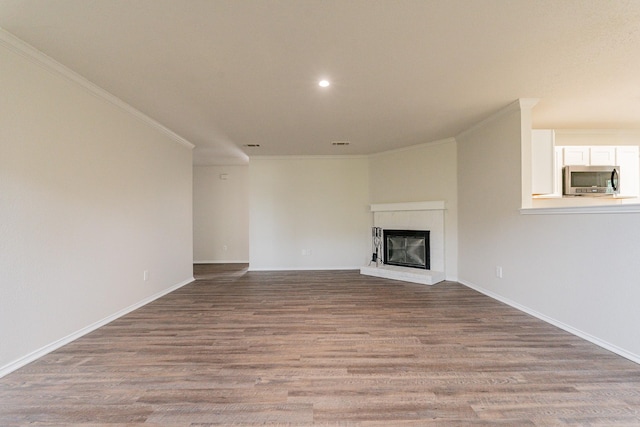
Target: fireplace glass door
pixel 407 248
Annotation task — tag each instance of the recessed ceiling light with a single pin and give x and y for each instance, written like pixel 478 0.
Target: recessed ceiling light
pixel 324 83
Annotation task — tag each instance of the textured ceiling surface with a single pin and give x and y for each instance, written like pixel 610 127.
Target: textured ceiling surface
pixel 226 73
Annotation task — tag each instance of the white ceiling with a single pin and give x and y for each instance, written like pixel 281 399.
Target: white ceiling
pixel 226 73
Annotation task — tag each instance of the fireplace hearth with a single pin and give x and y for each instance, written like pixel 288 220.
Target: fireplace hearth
pixel 409 216
pixel 406 248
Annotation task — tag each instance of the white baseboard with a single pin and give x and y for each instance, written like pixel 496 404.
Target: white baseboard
pixel 302 268
pixel 595 340
pixel 222 262
pixel 19 363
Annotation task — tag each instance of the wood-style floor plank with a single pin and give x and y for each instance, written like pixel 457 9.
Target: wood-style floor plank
pixel 324 349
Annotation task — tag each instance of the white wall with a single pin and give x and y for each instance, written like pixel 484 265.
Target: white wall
pixel 220 214
pixel 422 173
pixel 90 197
pixel 578 271
pixel 307 204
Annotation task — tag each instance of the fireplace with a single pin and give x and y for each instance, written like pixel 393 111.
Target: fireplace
pixel 394 217
pixel 406 248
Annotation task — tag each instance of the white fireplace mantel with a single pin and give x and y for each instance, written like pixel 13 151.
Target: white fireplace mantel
pixel 427 215
pixel 436 205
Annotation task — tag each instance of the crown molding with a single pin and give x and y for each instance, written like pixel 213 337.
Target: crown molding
pixel 310 157
pixel 30 53
pixel 528 103
pixel 414 147
pixel 354 156
pixel 517 105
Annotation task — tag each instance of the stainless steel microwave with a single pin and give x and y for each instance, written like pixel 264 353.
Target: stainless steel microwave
pixel 591 180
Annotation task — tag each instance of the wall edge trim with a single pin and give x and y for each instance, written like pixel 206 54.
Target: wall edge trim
pixel 442 141
pixel 510 108
pixel 568 328
pixel 32 54
pixel 36 354
pixel 308 156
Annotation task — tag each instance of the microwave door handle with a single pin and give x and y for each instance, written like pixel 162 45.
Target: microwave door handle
pixel 614 179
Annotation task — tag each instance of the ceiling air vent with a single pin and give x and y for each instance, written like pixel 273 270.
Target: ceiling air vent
pixel 340 143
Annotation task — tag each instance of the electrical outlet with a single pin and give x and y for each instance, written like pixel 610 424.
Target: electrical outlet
pixel 499 272
pixel 224 248
pixel 145 275
pixel 306 252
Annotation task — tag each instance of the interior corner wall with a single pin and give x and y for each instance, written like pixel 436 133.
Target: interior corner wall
pixel 221 214
pixel 425 172
pixel 309 213
pixel 577 271
pixel 90 198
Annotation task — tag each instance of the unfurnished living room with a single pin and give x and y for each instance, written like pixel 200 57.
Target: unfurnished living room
pixel 320 212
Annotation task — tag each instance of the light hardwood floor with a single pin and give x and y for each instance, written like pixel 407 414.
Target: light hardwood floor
pixel 327 349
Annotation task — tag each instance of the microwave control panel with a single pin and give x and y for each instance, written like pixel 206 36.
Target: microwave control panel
pixel 590 190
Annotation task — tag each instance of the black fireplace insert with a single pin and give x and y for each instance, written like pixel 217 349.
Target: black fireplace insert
pixel 406 248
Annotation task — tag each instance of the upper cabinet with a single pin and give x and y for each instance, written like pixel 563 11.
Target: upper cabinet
pixel 575 156
pixel 627 157
pixel 602 156
pixel 549 159
pixel 584 156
